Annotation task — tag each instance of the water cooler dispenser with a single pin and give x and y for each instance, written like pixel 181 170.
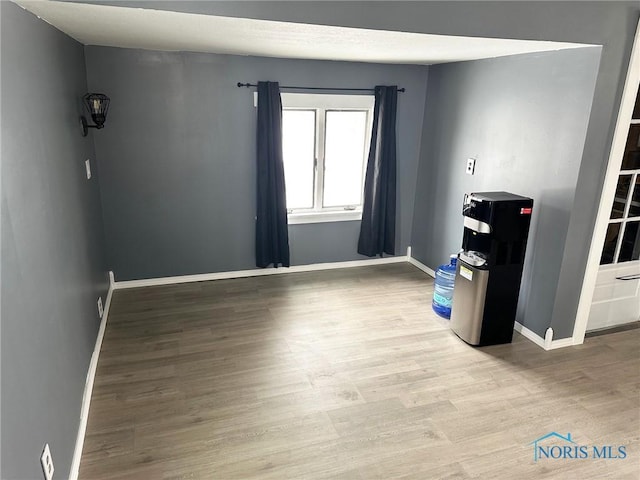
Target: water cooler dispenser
pixel 489 270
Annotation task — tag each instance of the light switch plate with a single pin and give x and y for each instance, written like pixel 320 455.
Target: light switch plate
pixel 471 166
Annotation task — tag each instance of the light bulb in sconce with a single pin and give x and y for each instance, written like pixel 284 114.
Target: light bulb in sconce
pixel 97 104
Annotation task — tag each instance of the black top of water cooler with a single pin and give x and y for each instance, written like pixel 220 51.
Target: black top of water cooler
pixel 507 214
pixel 499 197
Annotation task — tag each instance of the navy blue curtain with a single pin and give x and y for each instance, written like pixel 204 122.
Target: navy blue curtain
pixel 272 236
pixel 378 227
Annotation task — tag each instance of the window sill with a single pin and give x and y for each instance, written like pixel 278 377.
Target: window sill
pixel 324 217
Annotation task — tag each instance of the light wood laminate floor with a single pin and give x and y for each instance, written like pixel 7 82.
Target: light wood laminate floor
pixel 343 374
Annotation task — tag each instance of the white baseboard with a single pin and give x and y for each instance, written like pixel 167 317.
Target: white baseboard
pixel 88 387
pixel 547 343
pixel 562 343
pixel 150 282
pixel 421 266
pixel 529 334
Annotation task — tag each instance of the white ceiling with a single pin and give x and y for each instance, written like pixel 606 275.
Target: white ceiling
pixel 149 29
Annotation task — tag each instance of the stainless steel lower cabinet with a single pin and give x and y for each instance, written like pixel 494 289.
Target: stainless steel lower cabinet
pixel 469 297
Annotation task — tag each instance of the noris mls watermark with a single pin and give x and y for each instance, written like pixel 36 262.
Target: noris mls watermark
pixel 555 446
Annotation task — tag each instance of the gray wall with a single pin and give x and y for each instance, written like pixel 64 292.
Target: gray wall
pixel 52 262
pixel 524 118
pixel 610 24
pixel 177 158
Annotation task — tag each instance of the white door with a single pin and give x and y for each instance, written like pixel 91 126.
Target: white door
pixel 616 298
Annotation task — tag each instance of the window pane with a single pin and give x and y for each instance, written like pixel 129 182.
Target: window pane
pixel 631 159
pixel 344 158
pixel 630 248
pixel 636 108
pixel 298 149
pixel 634 208
pixel 609 249
pixel 620 200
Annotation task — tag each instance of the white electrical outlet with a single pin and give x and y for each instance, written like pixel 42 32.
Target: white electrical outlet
pixel 87 166
pixel 47 462
pixel 471 166
pixel 100 309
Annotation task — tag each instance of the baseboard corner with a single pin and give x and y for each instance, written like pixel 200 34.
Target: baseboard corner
pixel 547 343
pixel 418 264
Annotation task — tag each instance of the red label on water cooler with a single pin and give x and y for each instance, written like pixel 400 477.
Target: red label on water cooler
pixel 525 211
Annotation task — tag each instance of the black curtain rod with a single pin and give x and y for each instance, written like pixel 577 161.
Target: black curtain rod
pixel 401 90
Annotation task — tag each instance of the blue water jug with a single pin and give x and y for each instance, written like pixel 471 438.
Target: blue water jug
pixel 443 288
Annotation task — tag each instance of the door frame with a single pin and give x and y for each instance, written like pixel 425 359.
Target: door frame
pixel 608 191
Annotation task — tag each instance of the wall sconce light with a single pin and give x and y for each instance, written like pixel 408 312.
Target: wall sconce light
pixel 97 105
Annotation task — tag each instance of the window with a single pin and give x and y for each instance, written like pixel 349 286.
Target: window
pixel 622 241
pixel 325 148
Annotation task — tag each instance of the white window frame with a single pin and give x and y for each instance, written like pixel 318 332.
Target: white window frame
pixel 625 219
pixel 322 103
